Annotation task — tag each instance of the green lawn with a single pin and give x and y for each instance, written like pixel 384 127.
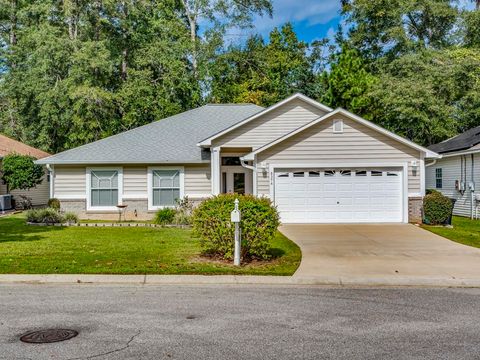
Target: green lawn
pixel 464 231
pixel 28 249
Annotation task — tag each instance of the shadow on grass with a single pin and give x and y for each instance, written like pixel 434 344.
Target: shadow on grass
pixel 276 253
pixel 15 229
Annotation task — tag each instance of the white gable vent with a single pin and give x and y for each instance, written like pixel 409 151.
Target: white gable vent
pixel 338 126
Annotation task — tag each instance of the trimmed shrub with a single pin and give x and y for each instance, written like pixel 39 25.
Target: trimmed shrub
pixel 164 216
pixel 54 203
pixel 70 217
pixel 437 208
pixel 259 222
pixel 46 216
pixel 432 191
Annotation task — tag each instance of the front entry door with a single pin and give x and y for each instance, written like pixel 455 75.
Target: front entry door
pixel 236 180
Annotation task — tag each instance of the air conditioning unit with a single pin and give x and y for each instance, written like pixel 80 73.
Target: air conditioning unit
pixel 5 202
pixel 477 197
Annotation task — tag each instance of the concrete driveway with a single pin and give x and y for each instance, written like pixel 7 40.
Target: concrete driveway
pixel 380 251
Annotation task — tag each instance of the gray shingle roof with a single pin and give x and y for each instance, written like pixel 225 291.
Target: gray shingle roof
pixel 464 141
pixel 171 140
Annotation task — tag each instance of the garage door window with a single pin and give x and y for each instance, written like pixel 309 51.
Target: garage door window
pixel 345 173
pixel 361 173
pixel 330 173
pixel 376 173
pixel 392 174
pixel 298 174
pixel 314 174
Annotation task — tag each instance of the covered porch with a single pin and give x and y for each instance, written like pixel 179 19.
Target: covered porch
pixel 229 173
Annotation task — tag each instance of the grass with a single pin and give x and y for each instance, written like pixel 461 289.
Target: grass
pixel 28 249
pixel 464 231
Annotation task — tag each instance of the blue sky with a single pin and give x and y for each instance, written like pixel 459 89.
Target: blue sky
pixel 312 19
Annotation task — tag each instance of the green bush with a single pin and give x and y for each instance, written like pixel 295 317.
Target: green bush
pixel 70 217
pixel 164 216
pixel 46 216
pixel 54 203
pixel 437 208
pixel 259 222
pixel 432 191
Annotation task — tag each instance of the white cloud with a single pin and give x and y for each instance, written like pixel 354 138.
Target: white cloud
pixel 312 11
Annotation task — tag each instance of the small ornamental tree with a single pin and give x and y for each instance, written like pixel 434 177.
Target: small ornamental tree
pixel 20 172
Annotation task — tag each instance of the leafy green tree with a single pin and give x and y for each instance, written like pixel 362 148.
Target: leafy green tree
pixel 20 172
pixel 265 72
pixel 395 27
pixel 429 96
pixel 347 83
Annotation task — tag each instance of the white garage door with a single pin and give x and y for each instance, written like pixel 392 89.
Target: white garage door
pixel 339 195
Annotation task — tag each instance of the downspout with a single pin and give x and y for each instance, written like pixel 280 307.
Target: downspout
pixel 51 174
pixel 246 166
pixel 472 188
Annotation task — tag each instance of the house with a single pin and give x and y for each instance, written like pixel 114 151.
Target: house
pixel 318 165
pixel 457 174
pixel 39 194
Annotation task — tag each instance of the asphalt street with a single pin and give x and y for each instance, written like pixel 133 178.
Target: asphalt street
pixel 241 322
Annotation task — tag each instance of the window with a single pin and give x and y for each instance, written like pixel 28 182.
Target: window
pixel 165 187
pixel 338 126
pixel 376 173
pixel 104 188
pixel 299 174
pixel 330 173
pixel 345 172
pixel 361 173
pixel 314 174
pixel 438 178
pixel 392 174
pixel 284 175
pixel 231 161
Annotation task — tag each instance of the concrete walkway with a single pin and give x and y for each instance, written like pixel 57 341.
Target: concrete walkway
pixel 400 252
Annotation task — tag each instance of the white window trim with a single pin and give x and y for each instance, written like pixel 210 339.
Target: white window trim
pixel 150 171
pixel 89 186
pixel 335 122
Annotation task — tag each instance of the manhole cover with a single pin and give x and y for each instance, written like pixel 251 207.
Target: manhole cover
pixel 48 336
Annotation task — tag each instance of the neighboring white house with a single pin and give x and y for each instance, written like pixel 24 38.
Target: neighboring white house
pixel 457 174
pixel 318 165
pixel 39 194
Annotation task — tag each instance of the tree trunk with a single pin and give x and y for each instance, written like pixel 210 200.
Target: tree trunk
pixel 192 21
pixel 125 43
pixel 13 22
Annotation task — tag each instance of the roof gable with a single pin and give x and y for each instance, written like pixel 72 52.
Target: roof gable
pixel 428 153
pixel 208 141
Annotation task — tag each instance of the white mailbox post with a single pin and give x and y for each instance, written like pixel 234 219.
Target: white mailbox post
pixel 235 218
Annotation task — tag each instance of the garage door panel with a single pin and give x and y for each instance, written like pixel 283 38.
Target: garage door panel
pixel 346 195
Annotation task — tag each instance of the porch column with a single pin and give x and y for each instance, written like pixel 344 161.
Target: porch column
pixel 215 170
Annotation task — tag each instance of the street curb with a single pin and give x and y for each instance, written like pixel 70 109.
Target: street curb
pixel 237 280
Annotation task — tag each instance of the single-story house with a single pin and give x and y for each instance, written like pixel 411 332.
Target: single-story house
pixel 457 174
pixel 39 194
pixel 317 164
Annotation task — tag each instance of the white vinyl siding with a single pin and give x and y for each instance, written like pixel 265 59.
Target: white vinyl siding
pixel 69 182
pixel 135 182
pixel 270 126
pixel 197 181
pixel 451 171
pixel 357 144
